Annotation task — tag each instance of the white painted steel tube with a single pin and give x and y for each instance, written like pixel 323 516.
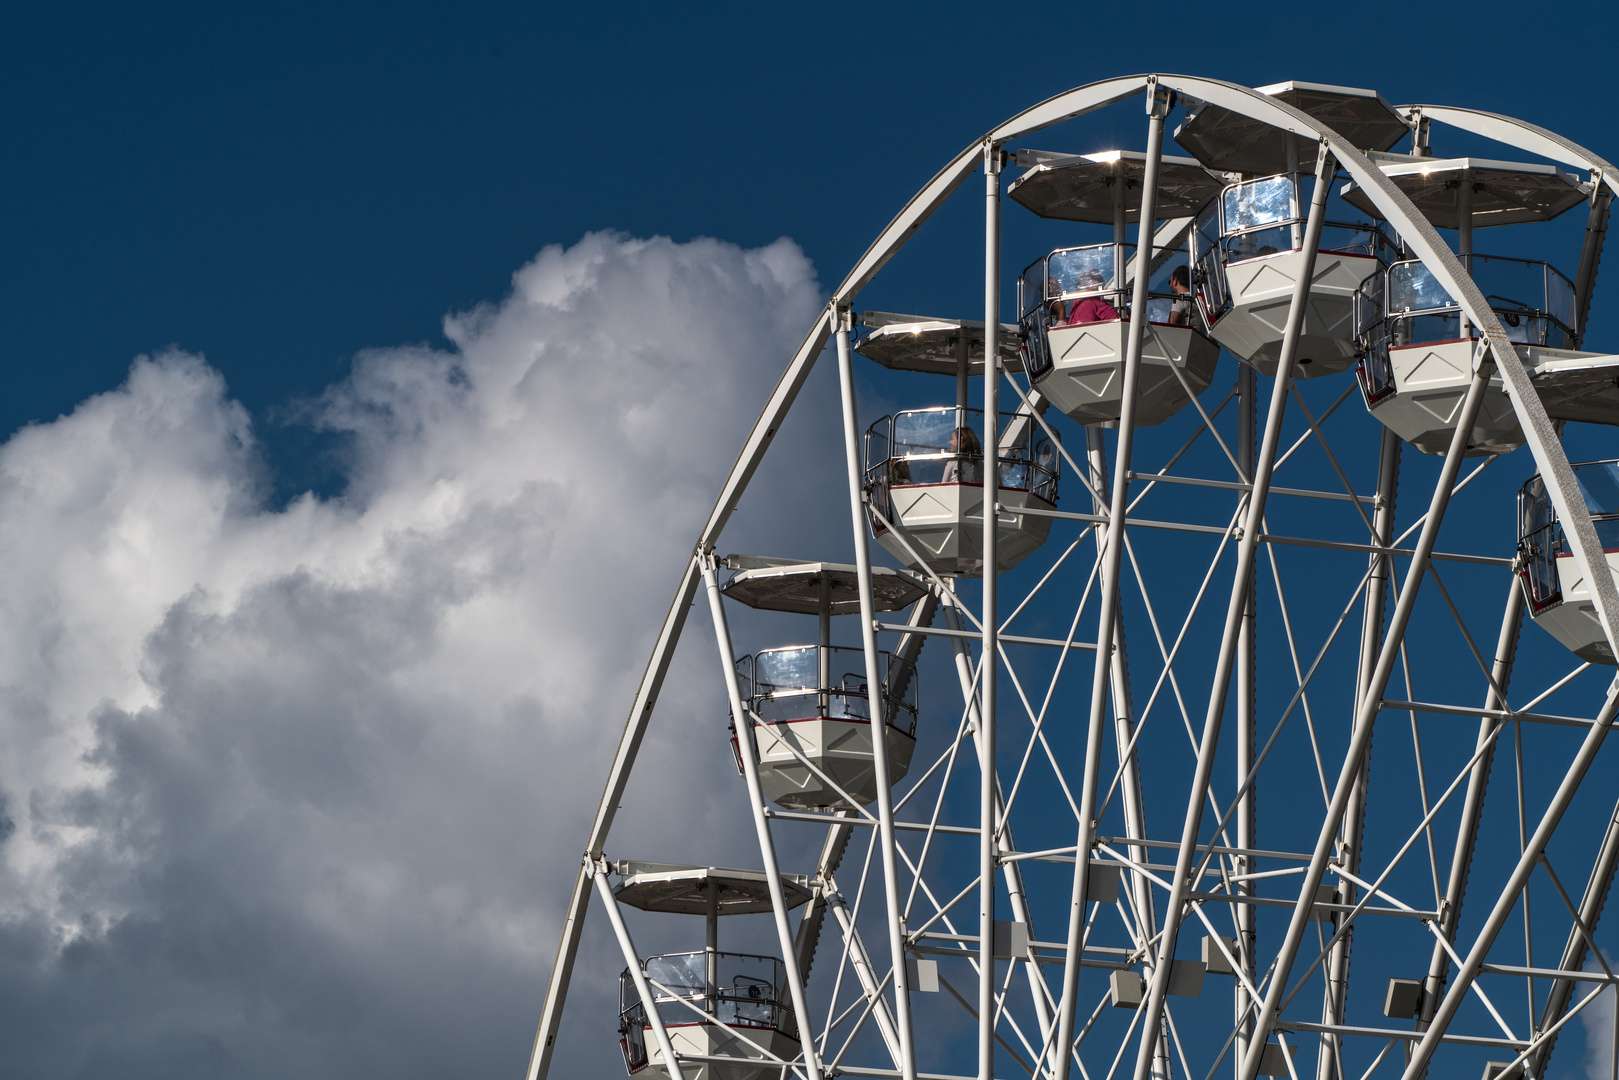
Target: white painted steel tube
pixel 991 620
pixel 1011 872
pixel 876 705
pixel 1326 842
pixel 1247 705
pixel 1330 1059
pixel 1108 585
pixel 869 982
pixel 1508 899
pixel 1124 722
pixel 631 958
pixel 761 824
pixel 1247 547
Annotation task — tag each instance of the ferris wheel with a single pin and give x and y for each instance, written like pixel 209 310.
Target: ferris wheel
pixel 1227 643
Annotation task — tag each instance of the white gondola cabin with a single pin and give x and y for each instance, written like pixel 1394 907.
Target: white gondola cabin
pixel 1248 242
pixel 713 1004
pixel 1558 597
pixel 810 707
pixel 1249 250
pixel 925 484
pixel 1074 308
pixel 1419 347
pixel 1074 304
pixel 1420 350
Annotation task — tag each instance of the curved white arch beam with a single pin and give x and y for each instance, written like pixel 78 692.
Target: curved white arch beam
pixel 1522 134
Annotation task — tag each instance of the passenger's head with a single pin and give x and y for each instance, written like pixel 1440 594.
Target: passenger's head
pixel 1180 280
pixel 1090 279
pixel 964 441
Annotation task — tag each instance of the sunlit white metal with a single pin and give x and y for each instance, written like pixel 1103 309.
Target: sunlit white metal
pixel 1199 863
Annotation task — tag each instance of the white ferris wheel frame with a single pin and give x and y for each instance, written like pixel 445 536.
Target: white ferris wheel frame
pixel 1494 351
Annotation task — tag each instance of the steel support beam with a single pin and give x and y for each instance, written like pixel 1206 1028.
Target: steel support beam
pixel 988 676
pixel 1247 727
pixel 1329 1062
pixel 1247 549
pixel 1108 619
pixel 756 800
pixel 877 703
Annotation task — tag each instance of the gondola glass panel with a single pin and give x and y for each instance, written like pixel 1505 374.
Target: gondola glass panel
pixel 1074 312
pixel 1558 596
pixel 925 483
pixel 814 728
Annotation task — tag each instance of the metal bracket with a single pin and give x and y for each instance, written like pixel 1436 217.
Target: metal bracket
pixel 1481 353
pixel 1159 100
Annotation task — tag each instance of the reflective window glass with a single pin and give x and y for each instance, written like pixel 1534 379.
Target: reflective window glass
pixel 1258 202
pixel 1082 270
pixel 1599 483
pixel 1413 288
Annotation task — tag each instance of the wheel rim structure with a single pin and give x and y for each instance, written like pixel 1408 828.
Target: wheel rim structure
pixel 1266 592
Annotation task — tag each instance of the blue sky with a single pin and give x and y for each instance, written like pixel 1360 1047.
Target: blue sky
pixel 331 228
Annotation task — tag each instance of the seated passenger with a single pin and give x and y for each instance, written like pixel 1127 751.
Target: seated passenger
pixel 1092 309
pixel 967 467
pixel 1180 309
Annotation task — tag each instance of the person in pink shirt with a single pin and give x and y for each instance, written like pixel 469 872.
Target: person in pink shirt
pixel 1092 309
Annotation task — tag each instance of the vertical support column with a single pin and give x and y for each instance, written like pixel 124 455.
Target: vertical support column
pixel 1124 723
pixel 823 639
pixel 1120 231
pixel 1360 739
pixel 987 822
pixel 1596 230
pixel 1464 235
pixel 649 1001
pixel 1295 231
pixel 963 370
pixel 1158 103
pixel 711 949
pixel 1247 549
pixel 756 802
pixel 1247 706
pixel 877 705
pixel 1329 1061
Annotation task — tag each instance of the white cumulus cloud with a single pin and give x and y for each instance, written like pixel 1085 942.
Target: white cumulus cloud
pixel 299 791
